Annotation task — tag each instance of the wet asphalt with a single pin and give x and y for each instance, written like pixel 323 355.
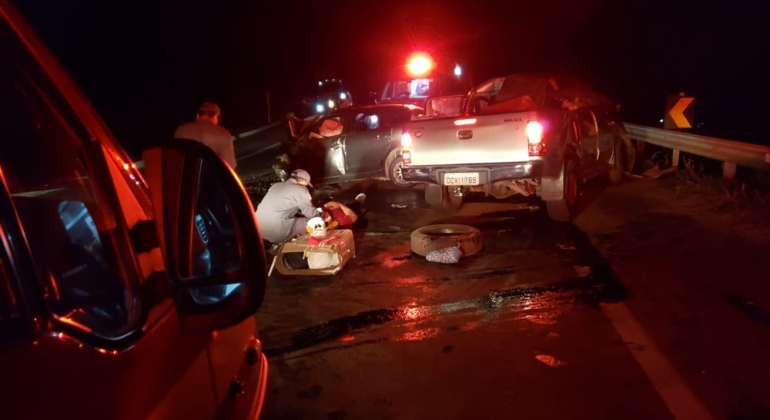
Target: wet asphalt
pixel 512 332
pixel 538 325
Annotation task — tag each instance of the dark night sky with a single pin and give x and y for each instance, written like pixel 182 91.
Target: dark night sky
pixel 147 65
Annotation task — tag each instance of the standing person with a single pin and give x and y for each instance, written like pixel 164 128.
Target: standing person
pixel 206 129
pixel 277 213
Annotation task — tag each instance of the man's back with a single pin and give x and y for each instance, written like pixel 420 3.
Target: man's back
pixel 276 211
pixel 213 136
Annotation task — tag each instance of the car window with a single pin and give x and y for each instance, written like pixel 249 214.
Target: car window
pixel 382 118
pixel 371 120
pixel 387 92
pixel 327 127
pixel 587 124
pixel 70 228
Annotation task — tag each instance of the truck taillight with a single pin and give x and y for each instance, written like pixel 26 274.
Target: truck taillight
pixel 534 132
pixel 406 144
pixel 406 140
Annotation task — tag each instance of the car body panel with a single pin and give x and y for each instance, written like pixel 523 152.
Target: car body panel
pixel 55 367
pixel 368 135
pixel 492 129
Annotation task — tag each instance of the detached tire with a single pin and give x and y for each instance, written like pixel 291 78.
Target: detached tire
pixel 432 237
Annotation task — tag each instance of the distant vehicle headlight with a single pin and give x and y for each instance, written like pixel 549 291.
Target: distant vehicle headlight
pixel 319 108
pixel 343 96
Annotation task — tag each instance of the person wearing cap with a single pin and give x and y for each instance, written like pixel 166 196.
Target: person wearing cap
pixel 206 129
pixel 286 208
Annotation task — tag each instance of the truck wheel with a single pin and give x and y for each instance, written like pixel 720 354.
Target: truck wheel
pixel 395 174
pixel 432 237
pixel 448 204
pixel 563 210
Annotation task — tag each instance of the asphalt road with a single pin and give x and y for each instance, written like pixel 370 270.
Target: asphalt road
pixel 538 325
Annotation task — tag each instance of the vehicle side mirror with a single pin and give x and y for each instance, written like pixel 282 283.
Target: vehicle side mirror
pixel 214 254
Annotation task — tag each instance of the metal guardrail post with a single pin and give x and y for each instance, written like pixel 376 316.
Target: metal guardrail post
pixel 729 169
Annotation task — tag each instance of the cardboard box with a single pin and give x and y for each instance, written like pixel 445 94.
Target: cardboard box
pixel 326 258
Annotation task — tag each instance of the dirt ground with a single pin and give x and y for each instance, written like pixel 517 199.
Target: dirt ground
pixel 705 201
pixel 696 263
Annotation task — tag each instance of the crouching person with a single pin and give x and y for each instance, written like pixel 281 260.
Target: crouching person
pixel 286 208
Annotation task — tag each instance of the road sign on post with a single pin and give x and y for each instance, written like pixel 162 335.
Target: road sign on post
pixel 680 112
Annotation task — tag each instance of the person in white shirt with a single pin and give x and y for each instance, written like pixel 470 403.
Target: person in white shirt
pixel 206 129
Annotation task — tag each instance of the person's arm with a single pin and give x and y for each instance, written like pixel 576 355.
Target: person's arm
pixel 305 204
pixel 343 214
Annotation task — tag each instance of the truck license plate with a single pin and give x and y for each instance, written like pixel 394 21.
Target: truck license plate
pixel 470 178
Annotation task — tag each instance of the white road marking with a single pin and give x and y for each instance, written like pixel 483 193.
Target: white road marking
pixel 668 383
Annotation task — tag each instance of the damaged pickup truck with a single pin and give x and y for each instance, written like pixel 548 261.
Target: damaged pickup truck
pixel 530 134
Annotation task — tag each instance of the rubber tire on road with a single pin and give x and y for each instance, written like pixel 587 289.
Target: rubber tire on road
pixel 449 204
pixel 563 210
pixel 396 164
pixel 432 237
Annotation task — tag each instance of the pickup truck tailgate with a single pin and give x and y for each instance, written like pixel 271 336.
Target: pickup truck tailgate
pixel 490 139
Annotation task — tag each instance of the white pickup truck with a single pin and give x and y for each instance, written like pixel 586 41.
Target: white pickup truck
pixel 530 134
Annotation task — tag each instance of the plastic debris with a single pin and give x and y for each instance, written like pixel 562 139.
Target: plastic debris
pixel 448 255
pixel 550 360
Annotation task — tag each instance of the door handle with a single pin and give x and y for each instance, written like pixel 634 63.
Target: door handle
pixel 464 134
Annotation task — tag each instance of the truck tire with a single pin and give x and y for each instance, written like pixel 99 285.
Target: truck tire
pixel 432 237
pixel 563 210
pixel 448 204
pixel 395 175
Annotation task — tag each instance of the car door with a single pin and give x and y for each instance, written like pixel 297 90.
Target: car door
pixel 606 137
pixel 104 344
pixel 370 141
pixel 321 152
pixel 589 134
pixel 102 337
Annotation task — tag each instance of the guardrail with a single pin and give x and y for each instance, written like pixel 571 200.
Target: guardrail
pixel 257 130
pixel 730 153
pixel 140 163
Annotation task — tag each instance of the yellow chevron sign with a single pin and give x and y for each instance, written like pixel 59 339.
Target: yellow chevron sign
pixel 680 112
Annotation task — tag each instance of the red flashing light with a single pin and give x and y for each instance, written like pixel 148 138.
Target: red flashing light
pixel 419 64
